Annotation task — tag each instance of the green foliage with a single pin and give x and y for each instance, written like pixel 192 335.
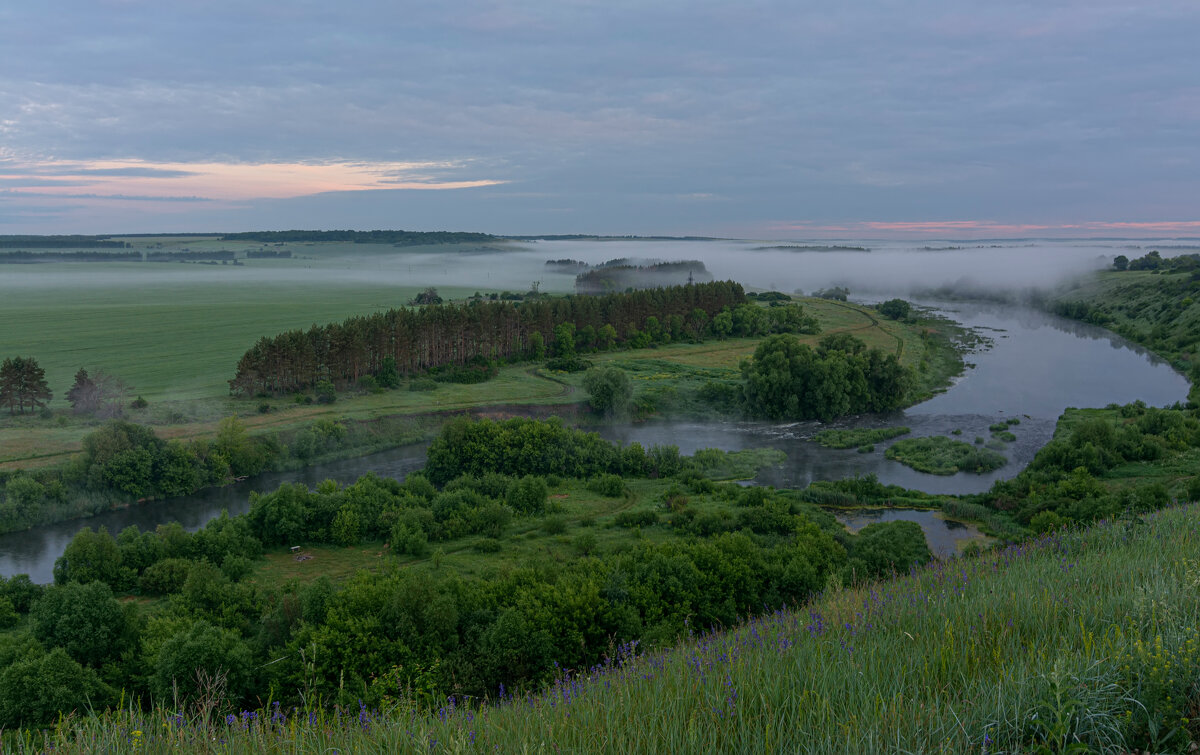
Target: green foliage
pixel 998 665
pixel 478 370
pixel 84 620
pixel 422 384
pixel 528 495
pixel 640 518
pixel 388 376
pixel 886 547
pixel 895 309
pixel 609 390
pixel 164 577
pixel 37 691
pixel 23 383
pixel 610 485
pixel 789 380
pixel 89 557
pixel 193 659
pixel 428 339
pixel 20 591
pixel 519 447
pixel 944 456
pixel 858 437
pixel 325 392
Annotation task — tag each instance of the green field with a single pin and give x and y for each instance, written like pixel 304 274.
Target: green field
pixel 174 331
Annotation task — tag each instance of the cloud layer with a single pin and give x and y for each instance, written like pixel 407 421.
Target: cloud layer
pixel 759 119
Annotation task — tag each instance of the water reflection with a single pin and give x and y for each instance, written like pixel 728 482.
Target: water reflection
pixel 946 537
pixel 35 551
pixel 1038 366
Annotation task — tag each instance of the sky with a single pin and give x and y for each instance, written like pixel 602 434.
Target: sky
pixel 750 119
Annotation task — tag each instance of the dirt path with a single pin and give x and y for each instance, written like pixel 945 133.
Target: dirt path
pixel 874 323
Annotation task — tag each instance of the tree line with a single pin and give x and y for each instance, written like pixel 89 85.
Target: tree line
pixel 418 340
pixel 122 462
pixel 61 242
pixel 397 238
pixel 23 257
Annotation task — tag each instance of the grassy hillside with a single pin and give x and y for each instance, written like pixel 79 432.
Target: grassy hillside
pixel 1041 647
pixel 1159 309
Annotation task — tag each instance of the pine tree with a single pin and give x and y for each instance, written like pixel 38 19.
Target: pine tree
pixel 23 382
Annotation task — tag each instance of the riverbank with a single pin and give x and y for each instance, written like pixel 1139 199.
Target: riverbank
pixel 667 383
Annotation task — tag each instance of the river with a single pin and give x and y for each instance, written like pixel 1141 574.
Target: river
pixel 1037 366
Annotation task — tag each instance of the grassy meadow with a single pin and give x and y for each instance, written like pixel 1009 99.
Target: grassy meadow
pixel 1040 647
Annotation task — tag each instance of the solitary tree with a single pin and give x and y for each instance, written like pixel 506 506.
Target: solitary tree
pixel 896 309
pixel 98 394
pixel 23 383
pixel 609 388
pixel 84 395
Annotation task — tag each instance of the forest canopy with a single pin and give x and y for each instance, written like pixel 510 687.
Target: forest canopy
pixel 461 334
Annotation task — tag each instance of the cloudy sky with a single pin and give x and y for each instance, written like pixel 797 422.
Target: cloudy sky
pixel 763 119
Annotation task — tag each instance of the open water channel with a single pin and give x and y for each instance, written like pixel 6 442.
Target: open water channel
pixel 1037 366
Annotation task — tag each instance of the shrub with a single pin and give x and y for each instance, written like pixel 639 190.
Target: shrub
pixel 944 456
pixel 631 519
pixel 585 544
pixel 325 392
pixel 488 545
pixel 528 495
pixel 165 577
pixel 608 485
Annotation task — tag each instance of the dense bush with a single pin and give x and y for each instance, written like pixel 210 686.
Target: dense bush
pixel 789 380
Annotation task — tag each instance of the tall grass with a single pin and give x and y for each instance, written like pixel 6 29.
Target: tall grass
pixel 1079 639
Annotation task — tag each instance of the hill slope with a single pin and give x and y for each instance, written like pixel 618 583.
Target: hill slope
pixel 1040 647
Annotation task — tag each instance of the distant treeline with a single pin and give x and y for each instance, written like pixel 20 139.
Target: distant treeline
pixel 269 254
pixel 27 257
pixel 437 336
pixel 222 254
pixel 587 237
pixel 811 248
pixel 1155 261
pixel 60 242
pixel 567 265
pixel 618 277
pixel 398 238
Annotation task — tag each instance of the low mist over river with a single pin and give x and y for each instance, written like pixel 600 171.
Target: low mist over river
pixel 888 268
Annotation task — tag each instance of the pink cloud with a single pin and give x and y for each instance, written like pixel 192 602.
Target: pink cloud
pixel 984 228
pixel 114 179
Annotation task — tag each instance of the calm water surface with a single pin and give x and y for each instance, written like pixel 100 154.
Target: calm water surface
pixel 1037 367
